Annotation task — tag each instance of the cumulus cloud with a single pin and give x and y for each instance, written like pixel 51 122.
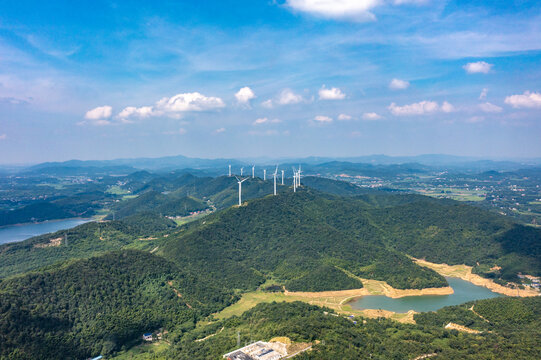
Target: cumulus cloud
pixel 529 100
pixel 446 107
pixel 353 10
pixel 287 97
pixel 131 111
pixel 244 95
pixel 101 112
pixel 490 108
pixel 322 119
pixel 3 136
pixel 173 106
pixel 331 94
pixel 420 108
pixel 397 84
pixel 478 67
pixel 189 102
pixel 371 116
pixel 344 117
pixel 483 94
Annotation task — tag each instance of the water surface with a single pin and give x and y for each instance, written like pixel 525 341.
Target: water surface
pixel 14 233
pixel 464 291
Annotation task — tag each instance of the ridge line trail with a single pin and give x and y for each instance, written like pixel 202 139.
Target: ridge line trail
pixel 482 317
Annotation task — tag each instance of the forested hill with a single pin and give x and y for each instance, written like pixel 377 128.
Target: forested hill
pixel 511 331
pixel 83 241
pixel 96 306
pixel 292 236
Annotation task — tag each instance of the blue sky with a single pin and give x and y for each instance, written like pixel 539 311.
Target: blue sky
pixel 110 79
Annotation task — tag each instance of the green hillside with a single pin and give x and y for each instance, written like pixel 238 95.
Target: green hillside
pixel 335 337
pixel 153 201
pixel 290 236
pixel 100 305
pixel 83 241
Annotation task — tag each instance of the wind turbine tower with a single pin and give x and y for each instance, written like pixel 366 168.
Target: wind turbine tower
pixel 240 188
pixel 294 179
pixel 299 176
pixel 275 174
pixel 230 170
pixel 264 174
pixel 241 171
pixel 253 171
pixel 282 177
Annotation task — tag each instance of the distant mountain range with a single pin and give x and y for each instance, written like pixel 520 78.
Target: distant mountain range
pixel 211 167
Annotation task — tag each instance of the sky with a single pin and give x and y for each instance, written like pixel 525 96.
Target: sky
pixel 284 78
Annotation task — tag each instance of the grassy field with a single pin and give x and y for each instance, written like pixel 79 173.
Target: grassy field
pixel 187 219
pixel 455 194
pixel 117 190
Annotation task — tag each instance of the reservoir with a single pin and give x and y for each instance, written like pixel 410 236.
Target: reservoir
pixel 464 291
pixel 22 232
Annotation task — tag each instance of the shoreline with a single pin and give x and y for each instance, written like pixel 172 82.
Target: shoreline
pixel 464 272
pixel 45 222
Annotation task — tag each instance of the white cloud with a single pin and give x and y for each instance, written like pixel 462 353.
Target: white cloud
pixel 289 97
pixel 244 95
pixel 478 67
pixel 265 120
pixel 344 117
pixel 420 108
pixel 261 121
pixel 3 136
pixel 189 102
pixel 483 94
pixel 322 119
pixel 219 131
pixel 331 94
pixel 371 116
pixel 267 104
pixel 131 111
pixel 490 108
pixel 446 107
pixel 356 10
pixel 101 112
pixel 397 84
pixel 526 100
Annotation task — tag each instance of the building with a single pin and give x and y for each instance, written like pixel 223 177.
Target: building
pixel 147 337
pixel 259 351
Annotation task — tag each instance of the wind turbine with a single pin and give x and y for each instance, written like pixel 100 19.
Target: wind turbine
pixel 241 171
pixel 264 174
pixel 294 179
pixel 282 177
pixel 253 171
pixel 275 174
pixel 240 189
pixel 229 170
pixel 299 175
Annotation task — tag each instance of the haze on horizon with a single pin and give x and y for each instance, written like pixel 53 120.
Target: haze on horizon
pixel 284 78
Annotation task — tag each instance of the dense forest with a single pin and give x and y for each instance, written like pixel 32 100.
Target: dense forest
pixel 83 241
pixel 100 305
pixel 511 331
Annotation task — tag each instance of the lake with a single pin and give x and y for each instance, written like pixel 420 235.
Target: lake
pixel 464 291
pixel 14 233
